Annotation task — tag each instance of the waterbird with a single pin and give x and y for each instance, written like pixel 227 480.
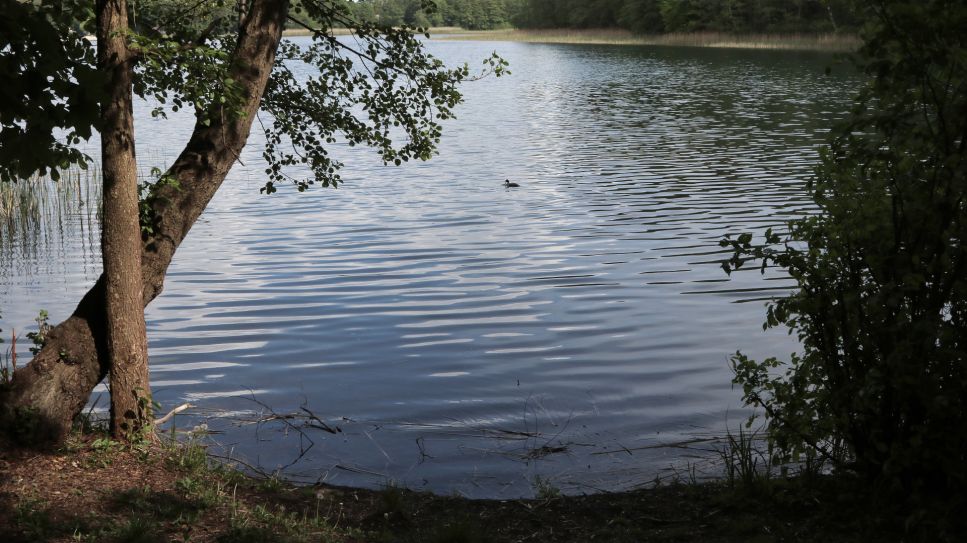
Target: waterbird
pixel 508 184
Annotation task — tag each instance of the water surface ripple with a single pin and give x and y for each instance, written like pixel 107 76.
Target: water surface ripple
pixel 465 337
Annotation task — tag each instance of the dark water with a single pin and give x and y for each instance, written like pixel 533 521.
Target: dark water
pixel 470 338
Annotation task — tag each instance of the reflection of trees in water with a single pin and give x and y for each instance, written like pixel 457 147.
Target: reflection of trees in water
pixel 42 220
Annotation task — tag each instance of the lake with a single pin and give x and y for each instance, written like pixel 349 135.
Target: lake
pixel 468 338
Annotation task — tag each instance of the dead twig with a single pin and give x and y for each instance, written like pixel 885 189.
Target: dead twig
pixel 172 413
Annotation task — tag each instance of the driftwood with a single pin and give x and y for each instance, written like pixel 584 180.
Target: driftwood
pixel 172 413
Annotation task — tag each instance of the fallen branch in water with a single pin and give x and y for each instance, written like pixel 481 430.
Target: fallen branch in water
pixel 172 413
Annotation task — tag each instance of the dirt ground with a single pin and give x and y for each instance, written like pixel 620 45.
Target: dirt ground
pixel 98 490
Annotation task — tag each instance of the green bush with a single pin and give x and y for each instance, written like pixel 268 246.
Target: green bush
pixel 881 305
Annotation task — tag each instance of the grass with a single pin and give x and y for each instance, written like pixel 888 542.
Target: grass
pixel 745 464
pixel 608 36
pixel 544 489
pixel 92 491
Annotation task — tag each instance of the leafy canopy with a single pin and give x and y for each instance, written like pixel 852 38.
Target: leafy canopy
pixel 50 96
pixel 379 87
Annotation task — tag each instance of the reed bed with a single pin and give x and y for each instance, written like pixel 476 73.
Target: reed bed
pixel 36 210
pixel 610 36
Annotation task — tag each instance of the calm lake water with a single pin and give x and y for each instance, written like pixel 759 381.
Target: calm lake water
pixel 469 338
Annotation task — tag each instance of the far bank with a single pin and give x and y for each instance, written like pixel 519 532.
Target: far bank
pixel 831 42
pixel 605 36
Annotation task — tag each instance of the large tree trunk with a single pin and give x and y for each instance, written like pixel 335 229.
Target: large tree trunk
pixel 46 395
pixel 127 339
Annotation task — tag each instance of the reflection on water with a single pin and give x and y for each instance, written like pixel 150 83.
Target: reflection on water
pixel 464 337
pixel 47 227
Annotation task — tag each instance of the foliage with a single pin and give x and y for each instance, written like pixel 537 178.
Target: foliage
pixel 52 95
pixel 745 465
pixel 184 21
pixel 469 14
pixel 148 195
pixel 881 305
pixel 656 16
pixel 544 489
pixel 51 91
pixel 383 90
pixel 377 91
pixel 378 88
pixel 641 16
pixel 39 338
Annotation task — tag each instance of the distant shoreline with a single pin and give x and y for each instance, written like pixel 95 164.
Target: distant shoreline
pixel 837 43
pixel 294 32
pixel 802 42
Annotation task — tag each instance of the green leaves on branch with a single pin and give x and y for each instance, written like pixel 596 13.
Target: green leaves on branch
pixel 149 194
pixel 50 96
pixel 180 75
pixel 184 52
pixel 52 92
pixel 381 89
pixel 744 251
pixel 39 338
pixel 184 21
pixel 881 305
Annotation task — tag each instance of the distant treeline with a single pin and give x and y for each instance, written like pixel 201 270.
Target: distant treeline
pixel 468 14
pixel 658 16
pixel 640 16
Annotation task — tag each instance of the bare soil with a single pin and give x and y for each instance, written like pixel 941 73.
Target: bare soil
pixel 98 490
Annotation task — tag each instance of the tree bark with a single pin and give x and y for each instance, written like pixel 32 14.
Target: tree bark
pixel 127 339
pixel 51 390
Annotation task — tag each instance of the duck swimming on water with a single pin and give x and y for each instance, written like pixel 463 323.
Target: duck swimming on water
pixel 509 184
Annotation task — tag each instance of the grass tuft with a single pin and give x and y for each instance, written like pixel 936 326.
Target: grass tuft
pixel 544 489
pixel 746 465
pixel 137 530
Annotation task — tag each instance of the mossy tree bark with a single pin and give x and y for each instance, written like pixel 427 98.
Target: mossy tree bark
pixel 49 392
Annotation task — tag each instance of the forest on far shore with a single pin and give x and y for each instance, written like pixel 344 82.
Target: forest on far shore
pixel 639 16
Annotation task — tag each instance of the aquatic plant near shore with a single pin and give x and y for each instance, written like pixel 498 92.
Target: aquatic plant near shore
pixel 36 210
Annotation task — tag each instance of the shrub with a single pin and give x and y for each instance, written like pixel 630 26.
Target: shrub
pixel 881 304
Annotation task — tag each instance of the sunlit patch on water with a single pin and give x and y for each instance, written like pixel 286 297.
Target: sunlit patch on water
pixel 468 338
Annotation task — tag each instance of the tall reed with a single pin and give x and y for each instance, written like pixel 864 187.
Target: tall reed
pixel 35 212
